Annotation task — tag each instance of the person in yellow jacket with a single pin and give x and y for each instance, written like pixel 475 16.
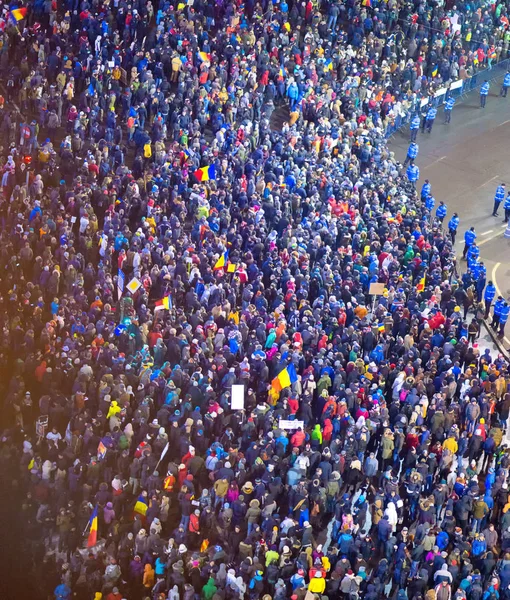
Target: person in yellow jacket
pixel 148 577
pixel 451 445
pixel 317 584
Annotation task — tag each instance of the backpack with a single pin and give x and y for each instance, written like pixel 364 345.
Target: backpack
pixel 25 131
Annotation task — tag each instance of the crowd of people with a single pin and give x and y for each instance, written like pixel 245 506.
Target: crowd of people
pixel 198 195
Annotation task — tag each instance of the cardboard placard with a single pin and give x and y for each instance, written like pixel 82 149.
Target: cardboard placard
pixel 376 289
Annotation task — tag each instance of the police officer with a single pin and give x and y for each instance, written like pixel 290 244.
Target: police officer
pixel 428 122
pixel 469 240
pixel 414 126
pixel 412 153
pixel 498 198
pixel 453 224
pixel 441 211
pixel 448 107
pixel 497 312
pixel 413 174
pixel 484 92
pixel 506 206
pixel 430 202
pixel 506 85
pixel 503 318
pixel 426 188
pixel 488 297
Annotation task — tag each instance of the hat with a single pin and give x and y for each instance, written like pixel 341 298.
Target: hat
pixel 182 549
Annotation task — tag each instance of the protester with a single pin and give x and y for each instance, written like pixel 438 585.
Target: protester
pixel 197 196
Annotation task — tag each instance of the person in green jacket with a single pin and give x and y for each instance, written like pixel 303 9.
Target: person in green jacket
pixel 209 589
pixel 317 434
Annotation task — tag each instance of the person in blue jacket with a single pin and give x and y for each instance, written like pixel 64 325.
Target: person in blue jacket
pixel 497 312
pixel 430 202
pixel 453 224
pixel 506 206
pixel 426 189
pixel 430 117
pixel 413 174
pixel 503 318
pixel 469 240
pixel 414 126
pixel 441 211
pixel 506 85
pixel 293 94
pixel 412 153
pixel 498 198
pixel 473 254
pixel 448 107
pixel 484 92
pixel 488 297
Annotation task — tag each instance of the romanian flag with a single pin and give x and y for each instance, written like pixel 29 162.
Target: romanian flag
pixel 205 173
pixel 221 263
pixel 141 506
pixel 92 541
pixel 435 71
pixel 205 56
pixel 381 327
pixel 101 451
pixel 284 378
pixel 231 268
pixel 281 73
pixel 421 285
pixel 163 304
pixel 18 14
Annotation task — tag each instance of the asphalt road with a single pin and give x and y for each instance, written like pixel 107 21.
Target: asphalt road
pixel 465 161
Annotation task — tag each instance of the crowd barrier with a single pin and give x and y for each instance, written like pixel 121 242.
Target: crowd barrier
pixel 456 89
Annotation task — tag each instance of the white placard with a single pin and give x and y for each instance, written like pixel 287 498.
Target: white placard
pixel 424 102
pixel 237 401
pixel 284 424
pixel 456 84
pixel 440 92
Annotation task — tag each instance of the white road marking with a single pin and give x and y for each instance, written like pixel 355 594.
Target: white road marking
pixel 505 122
pixel 490 238
pixel 436 161
pixel 484 184
pixel 487 232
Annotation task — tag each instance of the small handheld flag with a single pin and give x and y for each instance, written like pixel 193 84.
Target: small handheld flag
pixel 205 173
pixel 101 451
pixel 284 378
pixel 92 539
pixel 163 304
pixel 205 56
pixel 141 506
pixel 435 71
pixel 18 14
pixel 222 261
pixel 421 285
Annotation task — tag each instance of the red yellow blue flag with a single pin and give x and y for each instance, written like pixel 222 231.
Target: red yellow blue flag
pixel 284 378
pixel 205 173
pixel 92 539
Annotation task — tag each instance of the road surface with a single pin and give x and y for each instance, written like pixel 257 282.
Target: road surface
pixel 465 161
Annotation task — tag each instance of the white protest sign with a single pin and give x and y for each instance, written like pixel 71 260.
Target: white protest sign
pixel 285 424
pixel 237 400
